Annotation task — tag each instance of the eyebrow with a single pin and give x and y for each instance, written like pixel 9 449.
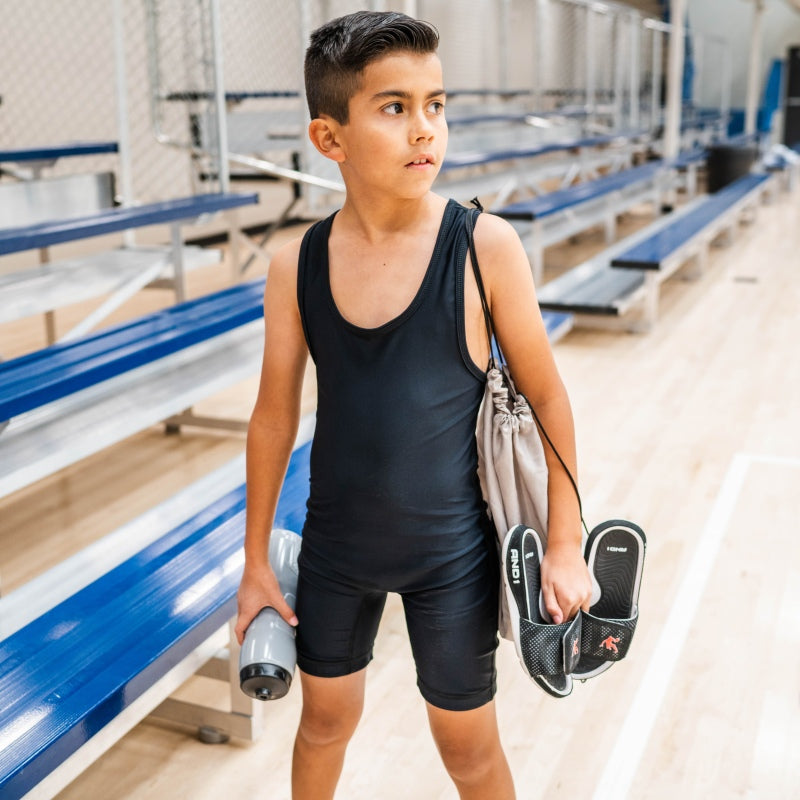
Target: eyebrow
pixel 403 95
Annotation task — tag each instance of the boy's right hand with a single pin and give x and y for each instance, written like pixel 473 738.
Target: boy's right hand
pixel 258 589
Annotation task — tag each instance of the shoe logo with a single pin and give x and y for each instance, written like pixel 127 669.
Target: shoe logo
pixel 575 649
pixel 610 643
pixel 514 564
pixel 612 549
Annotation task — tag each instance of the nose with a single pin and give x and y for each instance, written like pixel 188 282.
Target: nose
pixel 422 127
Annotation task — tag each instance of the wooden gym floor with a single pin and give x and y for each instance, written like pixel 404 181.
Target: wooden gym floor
pixel 692 430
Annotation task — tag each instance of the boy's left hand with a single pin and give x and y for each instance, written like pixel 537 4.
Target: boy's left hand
pixel 566 583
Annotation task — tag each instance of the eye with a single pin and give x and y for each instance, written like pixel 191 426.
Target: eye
pixel 436 107
pixel 393 108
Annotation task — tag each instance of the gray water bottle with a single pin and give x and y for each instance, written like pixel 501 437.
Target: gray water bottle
pixel 268 656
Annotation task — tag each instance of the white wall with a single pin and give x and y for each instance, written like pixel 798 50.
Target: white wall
pixel 732 19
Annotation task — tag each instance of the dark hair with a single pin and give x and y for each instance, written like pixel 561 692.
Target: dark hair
pixel 340 50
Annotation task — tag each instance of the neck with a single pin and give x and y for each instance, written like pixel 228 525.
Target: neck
pixel 375 218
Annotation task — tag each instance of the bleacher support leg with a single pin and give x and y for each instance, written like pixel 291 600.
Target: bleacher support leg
pixel 236 245
pixel 610 226
pixel 652 285
pixel 50 326
pixel 536 252
pixel 173 424
pixel 49 316
pixel 240 703
pixel 177 263
pixel 691 181
pixel 700 260
pixel 537 264
pixel 245 720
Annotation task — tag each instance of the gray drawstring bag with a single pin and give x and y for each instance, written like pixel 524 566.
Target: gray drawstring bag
pixel 513 477
pixel 511 463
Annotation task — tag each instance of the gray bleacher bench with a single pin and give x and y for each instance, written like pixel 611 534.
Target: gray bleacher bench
pixel 71 400
pixel 110 651
pixel 601 288
pixel 553 217
pixel 37 214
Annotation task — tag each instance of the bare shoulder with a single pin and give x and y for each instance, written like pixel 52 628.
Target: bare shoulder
pixel 502 258
pixel 283 264
pixel 282 274
pixel 493 229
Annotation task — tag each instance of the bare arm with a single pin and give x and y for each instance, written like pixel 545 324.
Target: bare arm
pixel 566 586
pixel 271 435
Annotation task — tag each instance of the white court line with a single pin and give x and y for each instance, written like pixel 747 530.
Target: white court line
pixel 623 763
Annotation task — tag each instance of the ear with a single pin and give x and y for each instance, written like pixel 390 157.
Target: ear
pixel 323 132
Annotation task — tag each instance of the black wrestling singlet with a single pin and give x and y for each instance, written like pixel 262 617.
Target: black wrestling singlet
pixel 394 494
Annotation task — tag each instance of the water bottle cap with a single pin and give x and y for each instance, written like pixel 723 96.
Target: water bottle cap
pixel 265 681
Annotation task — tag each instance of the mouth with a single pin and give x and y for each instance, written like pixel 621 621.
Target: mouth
pixel 421 161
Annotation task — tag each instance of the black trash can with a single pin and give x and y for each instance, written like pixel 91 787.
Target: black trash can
pixel 726 163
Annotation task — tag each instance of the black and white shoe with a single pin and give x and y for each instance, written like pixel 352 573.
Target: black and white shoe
pixel 546 651
pixel 614 553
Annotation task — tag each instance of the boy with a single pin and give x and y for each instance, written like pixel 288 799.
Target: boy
pixel 382 296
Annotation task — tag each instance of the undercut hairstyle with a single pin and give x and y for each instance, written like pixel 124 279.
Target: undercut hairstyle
pixel 340 50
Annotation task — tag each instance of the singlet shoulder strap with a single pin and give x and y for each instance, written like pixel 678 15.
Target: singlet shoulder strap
pixel 313 248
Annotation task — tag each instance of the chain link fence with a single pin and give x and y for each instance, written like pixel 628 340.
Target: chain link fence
pixel 597 66
pixel 178 79
pixel 66 76
pixel 57 77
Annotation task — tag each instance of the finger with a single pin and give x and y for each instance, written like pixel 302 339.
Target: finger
pixel 246 616
pixel 569 604
pixel 284 609
pixel 241 627
pixel 286 612
pixel 552 605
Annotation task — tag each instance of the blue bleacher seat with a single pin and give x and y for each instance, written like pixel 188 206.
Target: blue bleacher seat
pixel 599 288
pixel 552 217
pixel 694 155
pixel 553 202
pixel 53 152
pixel 74 399
pixel 557 324
pixel 649 254
pixel 46 234
pixel 51 373
pixel 67 674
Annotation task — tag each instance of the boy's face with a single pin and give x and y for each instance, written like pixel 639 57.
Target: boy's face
pixel 396 136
